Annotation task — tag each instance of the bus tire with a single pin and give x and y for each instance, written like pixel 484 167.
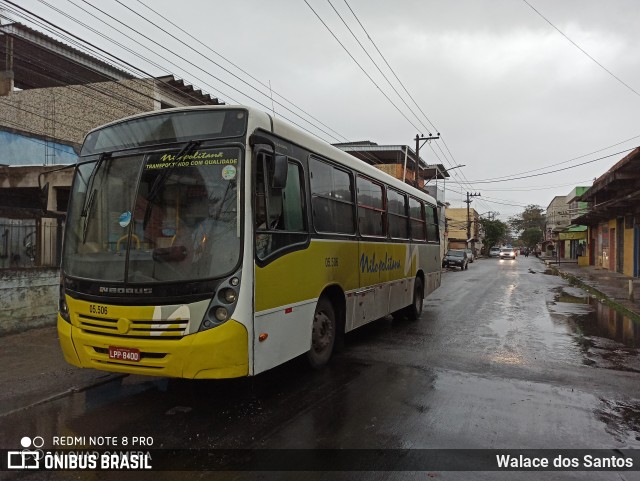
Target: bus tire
pixel 415 309
pixel 323 334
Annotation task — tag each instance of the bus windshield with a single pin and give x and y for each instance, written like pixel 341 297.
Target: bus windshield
pixel 155 218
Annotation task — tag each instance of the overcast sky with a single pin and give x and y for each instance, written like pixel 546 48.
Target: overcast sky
pixel 507 91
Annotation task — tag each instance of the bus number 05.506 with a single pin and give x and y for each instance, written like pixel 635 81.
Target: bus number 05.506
pixel 331 262
pixel 94 309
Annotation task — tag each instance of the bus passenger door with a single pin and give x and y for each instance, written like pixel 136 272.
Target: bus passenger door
pixel 282 318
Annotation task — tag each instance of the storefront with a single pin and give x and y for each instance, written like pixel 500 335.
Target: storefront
pixel 574 241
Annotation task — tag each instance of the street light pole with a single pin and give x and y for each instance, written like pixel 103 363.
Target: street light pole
pixel 444 180
pixel 418 145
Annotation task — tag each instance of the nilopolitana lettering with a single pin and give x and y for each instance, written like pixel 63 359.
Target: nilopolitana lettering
pixel 373 266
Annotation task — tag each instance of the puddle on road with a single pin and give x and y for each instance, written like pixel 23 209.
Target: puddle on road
pixel 607 338
pixel 622 419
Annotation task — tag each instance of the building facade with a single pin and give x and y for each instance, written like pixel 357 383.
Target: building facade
pixel 46 109
pixel 558 219
pixel 613 217
pixel 463 227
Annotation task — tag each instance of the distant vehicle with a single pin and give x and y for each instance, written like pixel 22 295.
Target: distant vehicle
pixel 470 255
pixel 456 258
pixel 494 252
pixel 507 253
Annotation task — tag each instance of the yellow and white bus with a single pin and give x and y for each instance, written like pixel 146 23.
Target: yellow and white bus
pixel 219 241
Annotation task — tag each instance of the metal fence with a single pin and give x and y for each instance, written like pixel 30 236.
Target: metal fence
pixel 30 243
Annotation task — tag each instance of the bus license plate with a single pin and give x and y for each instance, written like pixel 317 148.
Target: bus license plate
pixel 124 354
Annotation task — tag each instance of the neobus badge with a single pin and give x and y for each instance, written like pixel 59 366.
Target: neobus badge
pixel 125 290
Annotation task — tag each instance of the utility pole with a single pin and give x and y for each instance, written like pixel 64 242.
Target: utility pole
pixel 491 215
pixel 468 201
pixel 418 145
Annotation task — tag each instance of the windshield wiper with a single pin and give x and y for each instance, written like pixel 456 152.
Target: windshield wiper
pixel 162 178
pixel 91 194
pixel 92 178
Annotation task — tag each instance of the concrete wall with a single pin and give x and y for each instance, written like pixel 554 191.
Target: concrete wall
pixel 29 298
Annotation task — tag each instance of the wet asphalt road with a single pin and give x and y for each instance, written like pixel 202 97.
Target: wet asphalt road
pixel 504 356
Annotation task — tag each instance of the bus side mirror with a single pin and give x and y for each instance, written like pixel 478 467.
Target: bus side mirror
pixel 280 168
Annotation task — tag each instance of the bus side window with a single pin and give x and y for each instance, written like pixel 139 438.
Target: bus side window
pixel 418 222
pixel 371 208
pixel 332 198
pixel 280 219
pixel 432 224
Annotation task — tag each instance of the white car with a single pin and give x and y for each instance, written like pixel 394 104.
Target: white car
pixel 494 252
pixel 507 253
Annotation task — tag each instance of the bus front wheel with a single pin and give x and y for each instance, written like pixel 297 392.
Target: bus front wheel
pixel 415 309
pixel 323 334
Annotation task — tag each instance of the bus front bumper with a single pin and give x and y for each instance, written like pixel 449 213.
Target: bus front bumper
pixel 218 353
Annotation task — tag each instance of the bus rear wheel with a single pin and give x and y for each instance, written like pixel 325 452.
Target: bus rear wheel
pixel 415 309
pixel 323 334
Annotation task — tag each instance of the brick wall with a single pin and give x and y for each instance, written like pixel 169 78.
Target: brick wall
pixel 68 113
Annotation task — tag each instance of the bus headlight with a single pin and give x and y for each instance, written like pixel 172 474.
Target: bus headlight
pixel 229 295
pixel 221 314
pixel 63 308
pixel 223 303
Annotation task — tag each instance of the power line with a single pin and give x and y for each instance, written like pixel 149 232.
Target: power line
pixel 539 188
pixel 376 65
pixel 133 68
pixel 193 64
pixel 563 162
pixel 405 89
pixel 361 68
pixel 210 60
pixel 552 171
pixel 582 50
pixel 374 159
pixel 127 49
pixel 236 66
pixel 389 66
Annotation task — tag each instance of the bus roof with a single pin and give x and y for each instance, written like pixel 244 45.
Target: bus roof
pixel 297 136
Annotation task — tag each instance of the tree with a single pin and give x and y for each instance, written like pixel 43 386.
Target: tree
pixel 495 231
pixel 532 217
pixel 531 236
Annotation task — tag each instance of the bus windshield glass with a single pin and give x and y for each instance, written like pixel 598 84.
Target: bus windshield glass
pixel 155 218
pixel 166 128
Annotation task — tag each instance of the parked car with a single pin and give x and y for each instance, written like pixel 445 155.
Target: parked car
pixel 507 253
pixel 494 252
pixel 456 258
pixel 470 255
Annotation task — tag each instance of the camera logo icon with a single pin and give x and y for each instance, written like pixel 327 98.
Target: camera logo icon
pixel 29 457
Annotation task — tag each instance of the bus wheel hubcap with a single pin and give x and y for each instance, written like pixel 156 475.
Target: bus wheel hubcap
pixel 322 331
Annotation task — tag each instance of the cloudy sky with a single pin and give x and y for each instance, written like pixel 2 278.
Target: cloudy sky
pixel 511 95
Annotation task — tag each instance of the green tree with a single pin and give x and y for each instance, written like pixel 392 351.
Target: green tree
pixel 495 231
pixel 532 217
pixel 531 236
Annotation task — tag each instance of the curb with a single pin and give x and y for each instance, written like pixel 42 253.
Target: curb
pixel 68 392
pixel 598 294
